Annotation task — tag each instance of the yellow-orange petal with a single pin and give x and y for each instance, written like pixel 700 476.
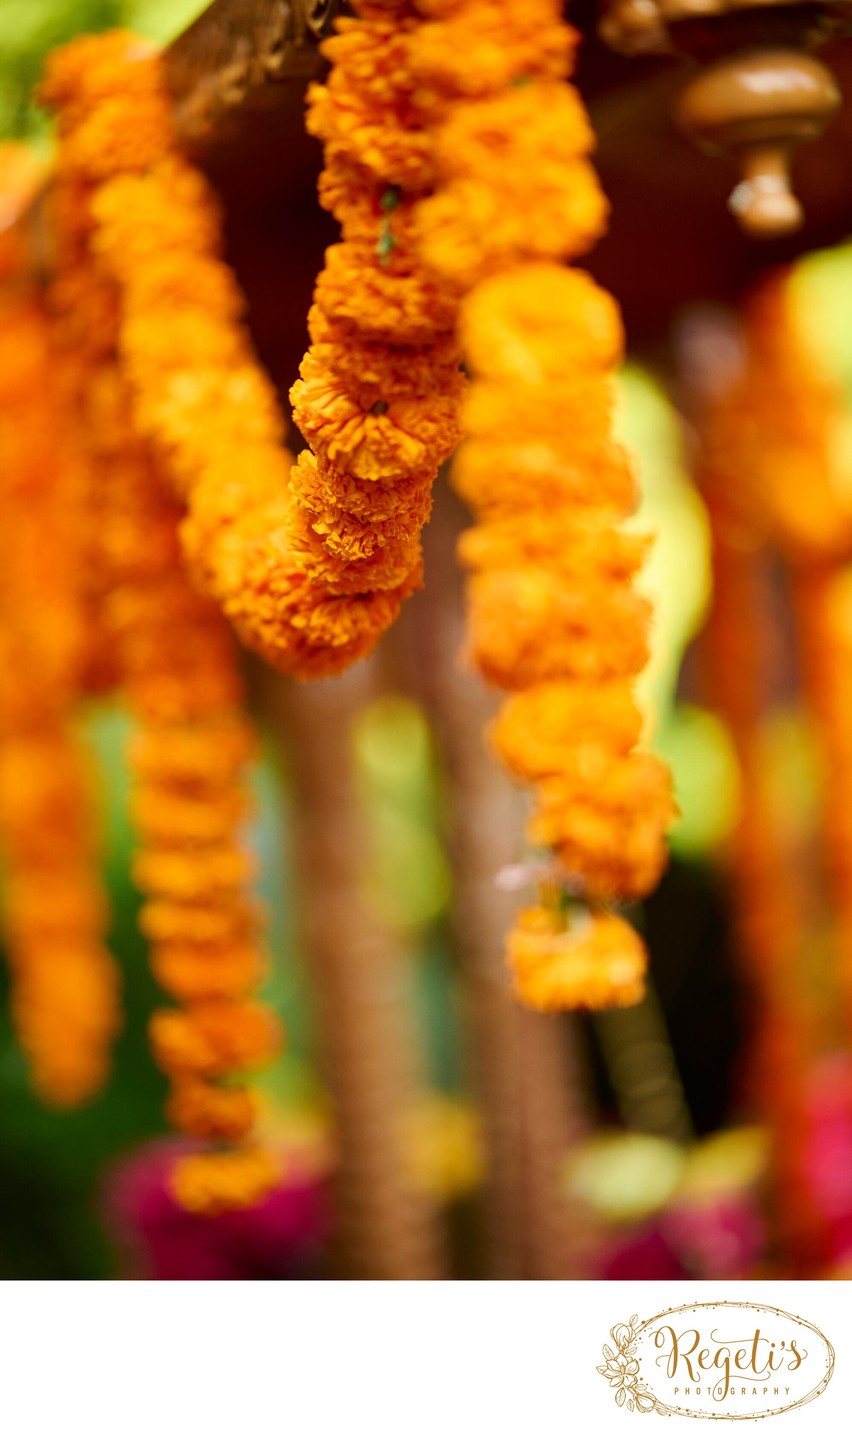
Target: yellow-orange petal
pixel 539 729
pixel 595 961
pixel 211 1183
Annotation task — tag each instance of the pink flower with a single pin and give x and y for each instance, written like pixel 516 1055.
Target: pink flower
pixel 282 1237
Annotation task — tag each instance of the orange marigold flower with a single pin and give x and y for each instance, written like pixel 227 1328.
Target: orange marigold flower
pixel 77 905
pixel 382 370
pixel 160 816
pixel 573 414
pixel 378 217
pixel 338 561
pixel 473 50
pixel 500 479
pixel 538 322
pixel 553 609
pixel 381 304
pixel 298 626
pixel 593 961
pixel 195 757
pixel 372 437
pixel 213 1038
pixel 197 972
pixel 193 875
pixel 169 212
pixel 391 153
pixel 192 342
pixel 93 68
pixel 216 1182
pixel 365 111
pixel 472 228
pixel 65 1006
pixel 605 818
pixel 580 545
pixel 525 135
pixel 537 728
pixel 331 498
pixel 101 146
pixel 169 921
pixel 528 626
pixel 207 1111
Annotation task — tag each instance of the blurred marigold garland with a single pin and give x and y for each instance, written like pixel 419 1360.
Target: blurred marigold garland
pixel 171 656
pixel 55 910
pixel 770 468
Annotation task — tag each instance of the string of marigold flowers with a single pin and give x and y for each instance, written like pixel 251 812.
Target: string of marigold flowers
pixel 310 566
pixel 760 432
pixel 772 434
pixel 176 665
pixel 189 803
pixel 554 614
pixel 772 440
pixel 64 984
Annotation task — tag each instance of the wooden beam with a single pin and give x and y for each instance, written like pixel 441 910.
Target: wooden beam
pixel 238 57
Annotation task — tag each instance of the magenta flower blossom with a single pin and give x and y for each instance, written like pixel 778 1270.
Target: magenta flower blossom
pixel 283 1236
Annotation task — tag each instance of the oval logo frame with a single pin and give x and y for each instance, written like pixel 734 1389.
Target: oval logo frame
pixel 736 1371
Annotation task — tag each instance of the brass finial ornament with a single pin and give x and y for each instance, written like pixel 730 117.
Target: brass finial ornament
pixel 757 95
pixel 758 107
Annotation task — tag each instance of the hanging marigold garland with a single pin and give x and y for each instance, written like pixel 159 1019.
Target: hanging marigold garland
pixel 65 988
pixel 310 572
pixel 189 802
pixel 770 440
pixel 774 437
pixel 175 662
pixel 554 614
pixel 768 470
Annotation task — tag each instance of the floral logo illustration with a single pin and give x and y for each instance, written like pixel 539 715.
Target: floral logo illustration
pixel 722 1359
pixel 622 1370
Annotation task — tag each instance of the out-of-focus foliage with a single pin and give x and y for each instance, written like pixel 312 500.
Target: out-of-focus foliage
pixel 30 28
pixel 677 580
pixel 676 576
pixel 407 876
pixel 625 1176
pixel 698 749
pixel 823 293
pixel 410 879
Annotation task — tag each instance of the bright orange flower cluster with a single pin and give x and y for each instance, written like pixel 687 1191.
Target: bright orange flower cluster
pixel 554 614
pixel 189 803
pixel 767 471
pixel 173 658
pixel 380 389
pixel 773 468
pixel 576 962
pixel 65 987
pixel 311 567
pixel 770 440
